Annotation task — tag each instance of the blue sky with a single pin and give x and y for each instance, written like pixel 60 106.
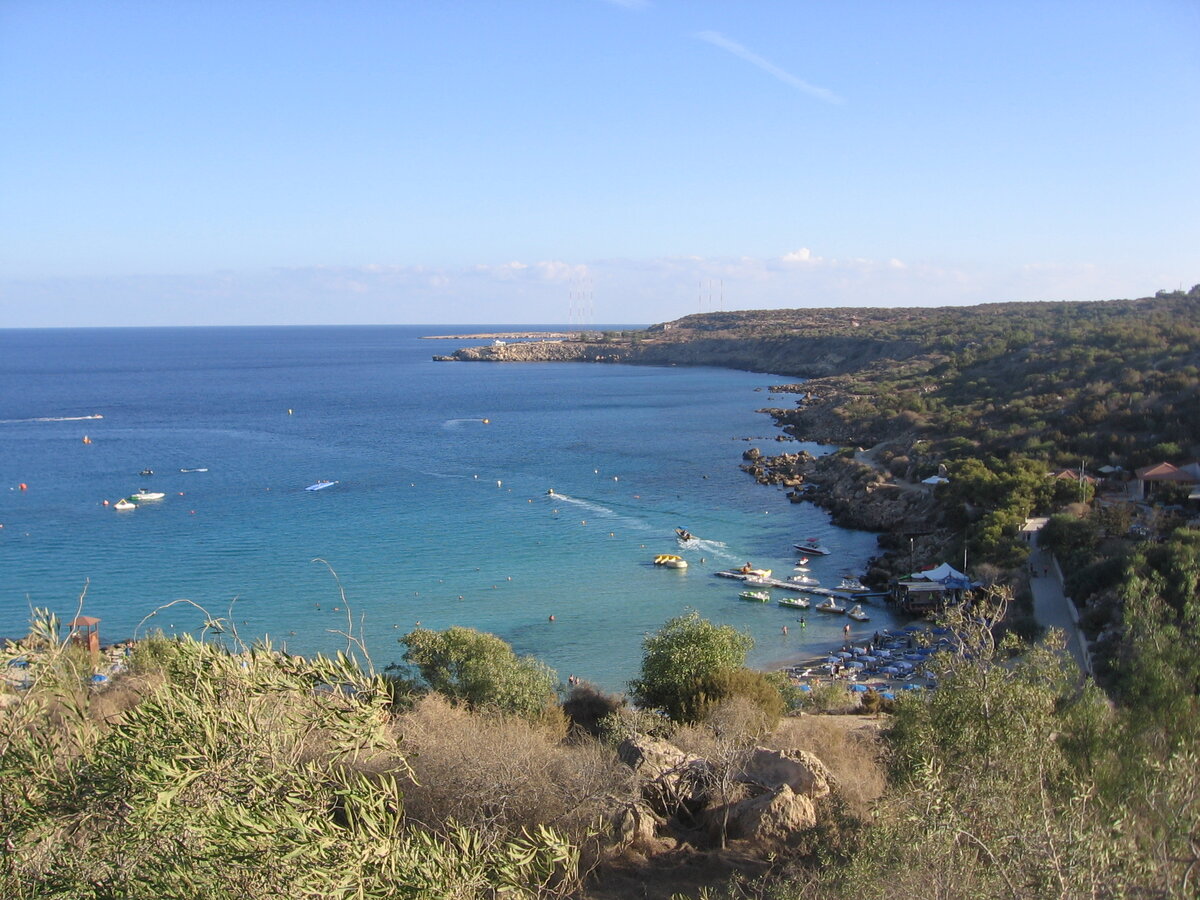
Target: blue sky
pixel 297 162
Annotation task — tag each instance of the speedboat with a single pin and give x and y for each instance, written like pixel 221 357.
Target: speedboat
pixel 684 535
pixel 670 561
pixel 830 605
pixel 803 579
pixel 123 504
pixel 755 596
pixel 320 485
pixel 794 602
pixel 810 545
pixel 857 614
pixel 851 584
pixel 146 472
pixel 146 495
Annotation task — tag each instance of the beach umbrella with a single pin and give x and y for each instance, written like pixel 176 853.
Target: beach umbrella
pixel 856 664
pixel 842 654
pixel 832 659
pixel 890 670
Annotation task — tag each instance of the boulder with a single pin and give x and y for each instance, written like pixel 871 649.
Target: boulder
pixel 635 823
pixel 801 771
pixel 671 779
pixel 650 758
pixel 752 454
pixel 772 817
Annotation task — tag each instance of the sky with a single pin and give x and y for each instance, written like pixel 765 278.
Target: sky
pixel 260 162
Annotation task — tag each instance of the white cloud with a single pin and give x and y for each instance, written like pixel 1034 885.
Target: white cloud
pixel 803 255
pixel 719 40
pixel 624 291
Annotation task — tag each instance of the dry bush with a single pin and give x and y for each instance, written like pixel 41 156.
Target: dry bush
pixel 502 771
pixel 587 706
pixel 738 722
pixel 850 747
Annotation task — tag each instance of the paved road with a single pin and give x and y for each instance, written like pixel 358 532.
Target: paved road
pixel 1052 608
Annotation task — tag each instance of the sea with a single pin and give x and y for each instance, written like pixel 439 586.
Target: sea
pixel 525 500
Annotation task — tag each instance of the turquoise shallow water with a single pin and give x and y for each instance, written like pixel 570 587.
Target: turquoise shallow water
pixel 437 517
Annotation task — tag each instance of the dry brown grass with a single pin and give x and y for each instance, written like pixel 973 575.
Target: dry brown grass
pixel 850 746
pixel 503 772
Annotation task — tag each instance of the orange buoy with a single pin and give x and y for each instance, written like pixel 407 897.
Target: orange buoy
pixel 24 486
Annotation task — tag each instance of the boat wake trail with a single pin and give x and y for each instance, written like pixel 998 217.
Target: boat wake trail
pixel 600 511
pixel 718 549
pixel 50 419
pixel 455 423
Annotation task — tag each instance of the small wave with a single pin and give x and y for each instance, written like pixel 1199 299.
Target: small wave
pixel 50 419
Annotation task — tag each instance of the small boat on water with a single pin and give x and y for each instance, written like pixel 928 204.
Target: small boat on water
pixel 146 472
pixel 141 495
pixel 803 579
pixel 670 561
pixel 856 613
pixel 794 602
pixel 320 485
pixel 851 584
pixel 124 504
pixel 193 470
pixel 829 605
pixel 810 545
pixel 755 596
pixel 684 535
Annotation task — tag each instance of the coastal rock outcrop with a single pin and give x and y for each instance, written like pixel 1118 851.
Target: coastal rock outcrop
pixel 799 770
pixel 771 818
pixel 767 796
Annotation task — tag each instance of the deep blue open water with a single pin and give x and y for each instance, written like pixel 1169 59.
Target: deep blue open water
pixel 437 517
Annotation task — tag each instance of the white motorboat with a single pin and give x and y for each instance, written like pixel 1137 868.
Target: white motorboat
pixel 755 596
pixel 807 580
pixel 124 504
pixel 140 496
pixel 320 485
pixel 811 546
pixel 851 584
pixel 856 613
pixel 794 602
pixel 829 605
